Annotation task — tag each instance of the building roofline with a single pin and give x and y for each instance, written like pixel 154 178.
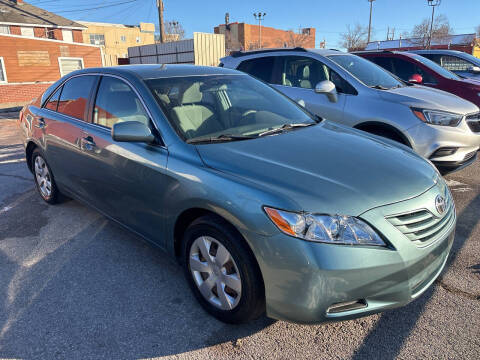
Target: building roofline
pixel 43 25
pixel 51 40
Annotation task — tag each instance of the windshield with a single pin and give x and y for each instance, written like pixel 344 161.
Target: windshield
pixel 435 67
pixel 227 107
pixel 367 72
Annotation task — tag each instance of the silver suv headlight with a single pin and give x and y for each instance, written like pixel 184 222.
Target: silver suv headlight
pixel 333 229
pixel 436 117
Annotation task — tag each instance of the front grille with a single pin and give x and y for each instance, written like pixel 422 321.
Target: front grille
pixel 473 122
pixel 470 155
pixel 422 226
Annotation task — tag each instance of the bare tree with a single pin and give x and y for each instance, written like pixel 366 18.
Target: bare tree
pixel 355 38
pixel 174 31
pixel 441 31
pixel 478 31
pixel 294 40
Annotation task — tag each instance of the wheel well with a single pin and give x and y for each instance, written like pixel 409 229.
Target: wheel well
pixel 185 219
pixel 381 129
pixel 28 153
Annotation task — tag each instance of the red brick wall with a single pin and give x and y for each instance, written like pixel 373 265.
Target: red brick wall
pixel 21 93
pixel 58 34
pixel 77 36
pixel 35 60
pixel 15 30
pixel 39 32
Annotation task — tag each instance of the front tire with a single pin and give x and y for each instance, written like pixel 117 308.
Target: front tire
pixel 221 271
pixel 43 176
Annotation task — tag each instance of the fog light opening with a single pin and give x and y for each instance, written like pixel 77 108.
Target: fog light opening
pixel 445 151
pixel 347 306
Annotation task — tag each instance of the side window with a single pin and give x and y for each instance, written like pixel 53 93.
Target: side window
pixel 74 96
pixel 454 63
pixel 116 102
pixel 303 72
pixel 261 68
pixel 52 103
pixel 405 69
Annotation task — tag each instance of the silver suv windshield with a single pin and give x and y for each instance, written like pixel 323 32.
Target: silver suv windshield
pixel 367 72
pixel 226 108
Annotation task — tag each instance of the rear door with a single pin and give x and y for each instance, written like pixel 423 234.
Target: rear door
pixel 60 124
pixel 124 180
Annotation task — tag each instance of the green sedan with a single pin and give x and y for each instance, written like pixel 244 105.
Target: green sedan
pixel 268 208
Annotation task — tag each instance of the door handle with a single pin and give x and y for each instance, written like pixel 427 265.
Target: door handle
pixel 41 123
pixel 87 143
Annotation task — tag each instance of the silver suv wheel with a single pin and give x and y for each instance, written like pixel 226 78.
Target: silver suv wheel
pixel 43 178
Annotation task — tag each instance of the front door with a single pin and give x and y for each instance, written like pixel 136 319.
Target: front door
pixel 297 78
pixel 125 180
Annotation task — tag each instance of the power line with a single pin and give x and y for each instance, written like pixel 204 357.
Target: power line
pixel 98 7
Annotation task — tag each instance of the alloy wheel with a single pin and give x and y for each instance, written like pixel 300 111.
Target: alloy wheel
pixel 215 273
pixel 43 178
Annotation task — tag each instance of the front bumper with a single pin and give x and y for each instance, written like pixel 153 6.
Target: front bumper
pixel 303 280
pixel 427 139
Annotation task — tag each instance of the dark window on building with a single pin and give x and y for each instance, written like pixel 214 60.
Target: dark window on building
pixel 52 103
pixel 261 68
pixel 74 97
pixel 116 102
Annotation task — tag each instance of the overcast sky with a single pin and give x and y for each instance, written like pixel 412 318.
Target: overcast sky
pixel 328 17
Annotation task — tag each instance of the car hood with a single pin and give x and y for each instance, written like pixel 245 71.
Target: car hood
pixel 325 168
pixel 428 98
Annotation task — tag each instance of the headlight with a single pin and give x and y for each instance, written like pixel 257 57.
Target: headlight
pixel 435 117
pixel 333 229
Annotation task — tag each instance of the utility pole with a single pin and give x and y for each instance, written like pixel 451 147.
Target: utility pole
pixel 260 17
pixel 433 4
pixel 160 20
pixel 370 22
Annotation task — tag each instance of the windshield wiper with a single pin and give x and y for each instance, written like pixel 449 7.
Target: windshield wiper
pixel 380 87
pixel 221 137
pixel 285 127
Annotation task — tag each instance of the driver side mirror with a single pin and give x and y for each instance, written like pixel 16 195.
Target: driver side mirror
pixel 132 131
pixel 328 88
pixel 416 79
pixel 475 69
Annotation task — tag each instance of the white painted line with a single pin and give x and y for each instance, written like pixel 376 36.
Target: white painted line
pixel 462 189
pixel 12 161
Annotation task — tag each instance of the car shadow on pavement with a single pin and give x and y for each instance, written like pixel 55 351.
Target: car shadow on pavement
pixel 398 324
pixel 90 289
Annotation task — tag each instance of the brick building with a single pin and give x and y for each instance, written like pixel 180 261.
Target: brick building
pixel 242 36
pixel 37 48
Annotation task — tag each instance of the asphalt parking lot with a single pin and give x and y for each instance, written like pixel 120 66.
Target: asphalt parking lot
pixel 76 285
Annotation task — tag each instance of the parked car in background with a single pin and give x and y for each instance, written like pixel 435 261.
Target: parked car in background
pixel 419 70
pixel 459 62
pixel 351 90
pixel 267 206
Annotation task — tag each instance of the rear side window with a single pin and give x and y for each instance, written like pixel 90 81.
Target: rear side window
pixel 74 96
pixel 117 102
pixel 382 61
pixel 454 63
pixel 52 103
pixel 260 68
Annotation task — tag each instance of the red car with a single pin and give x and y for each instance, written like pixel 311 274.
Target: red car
pixel 417 69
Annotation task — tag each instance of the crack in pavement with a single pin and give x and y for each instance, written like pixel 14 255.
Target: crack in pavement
pixel 454 290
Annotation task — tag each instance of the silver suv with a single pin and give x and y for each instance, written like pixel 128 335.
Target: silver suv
pixel 356 92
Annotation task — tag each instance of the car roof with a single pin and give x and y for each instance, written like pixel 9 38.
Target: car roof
pixel 153 71
pixel 384 52
pixel 322 52
pixel 437 51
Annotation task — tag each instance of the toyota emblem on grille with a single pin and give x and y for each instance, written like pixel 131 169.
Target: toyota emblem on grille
pixel 440 204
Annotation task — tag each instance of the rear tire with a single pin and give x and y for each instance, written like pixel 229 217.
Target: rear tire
pixel 221 271
pixel 43 178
